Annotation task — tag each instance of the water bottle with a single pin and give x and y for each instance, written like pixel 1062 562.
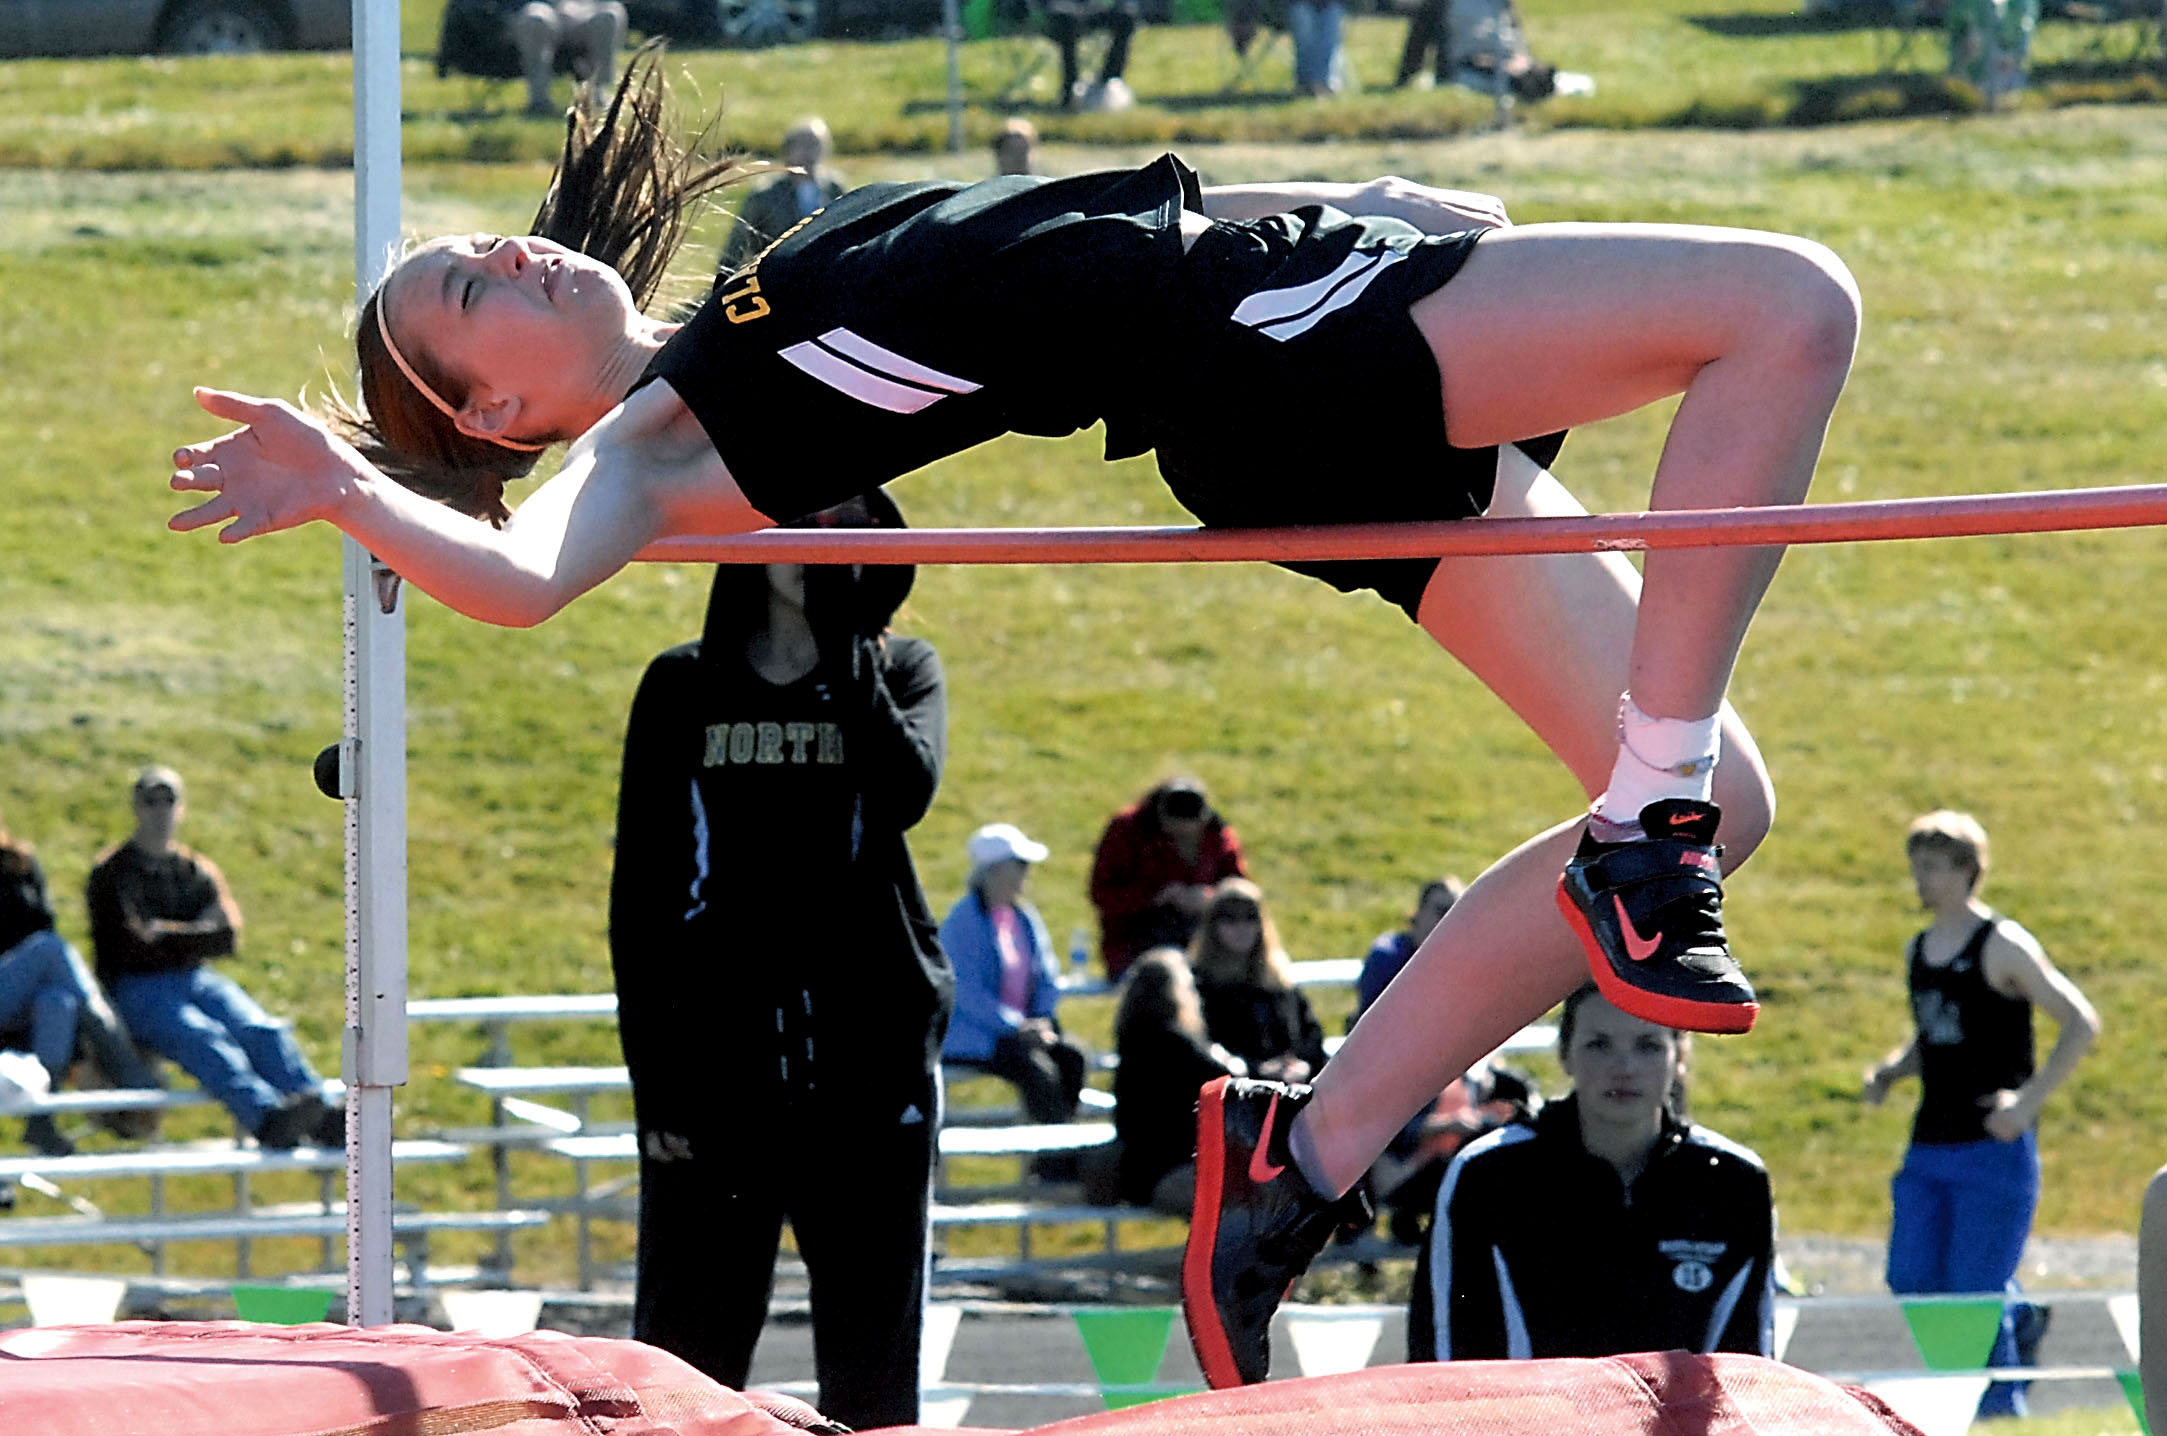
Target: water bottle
pixel 1079 954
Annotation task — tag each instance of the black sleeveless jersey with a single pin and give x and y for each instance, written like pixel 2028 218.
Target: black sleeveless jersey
pixel 1972 1041
pixel 906 322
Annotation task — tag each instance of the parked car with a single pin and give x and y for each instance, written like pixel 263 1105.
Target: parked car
pixel 180 27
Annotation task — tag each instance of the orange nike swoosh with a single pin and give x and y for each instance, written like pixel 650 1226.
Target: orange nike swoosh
pixel 1638 948
pixel 1261 1171
pixel 1679 820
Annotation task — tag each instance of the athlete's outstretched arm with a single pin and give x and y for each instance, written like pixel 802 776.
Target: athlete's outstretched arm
pixel 644 472
pixel 1432 210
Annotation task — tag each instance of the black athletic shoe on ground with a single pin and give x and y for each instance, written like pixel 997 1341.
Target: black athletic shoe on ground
pixel 1650 914
pixel 1255 1227
pixel 285 1126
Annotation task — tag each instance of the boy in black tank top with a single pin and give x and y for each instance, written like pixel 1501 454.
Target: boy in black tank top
pixel 1969 1184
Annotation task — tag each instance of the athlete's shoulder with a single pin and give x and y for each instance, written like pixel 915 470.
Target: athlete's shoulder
pixel 1722 1149
pixel 909 653
pixel 2006 932
pixel 1510 1143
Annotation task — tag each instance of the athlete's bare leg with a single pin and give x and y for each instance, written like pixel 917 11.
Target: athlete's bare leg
pixel 1549 635
pixel 1545 328
pixel 1551 326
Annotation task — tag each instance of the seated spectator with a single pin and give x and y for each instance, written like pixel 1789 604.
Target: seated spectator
pixel 1320 64
pixel 1480 44
pixel 534 40
pixel 50 1002
pixel 1607 1224
pixel 1015 148
pixel 783 201
pixel 1007 982
pixel 1403 1182
pixel 1165 1057
pixel 158 912
pixel 1066 22
pixel 1392 950
pixel 1156 864
pixel 1315 28
pixel 1251 1005
pixel 589 31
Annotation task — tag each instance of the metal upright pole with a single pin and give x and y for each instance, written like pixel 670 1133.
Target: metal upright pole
pixel 952 27
pixel 372 754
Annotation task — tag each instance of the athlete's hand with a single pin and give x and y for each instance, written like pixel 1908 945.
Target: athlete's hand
pixel 2008 1115
pixel 281 469
pixel 1874 1087
pixel 1433 210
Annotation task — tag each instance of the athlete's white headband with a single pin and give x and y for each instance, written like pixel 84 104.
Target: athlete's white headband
pixel 383 330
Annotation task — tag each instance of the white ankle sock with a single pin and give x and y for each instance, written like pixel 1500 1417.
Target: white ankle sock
pixel 1658 758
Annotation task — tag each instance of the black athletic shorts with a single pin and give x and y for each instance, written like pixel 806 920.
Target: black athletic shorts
pixel 1312 398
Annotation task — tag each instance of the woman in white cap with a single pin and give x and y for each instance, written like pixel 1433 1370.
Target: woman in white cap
pixel 1006 980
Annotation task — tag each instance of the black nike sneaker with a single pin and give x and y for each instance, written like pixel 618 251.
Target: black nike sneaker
pixel 1650 914
pixel 1256 1225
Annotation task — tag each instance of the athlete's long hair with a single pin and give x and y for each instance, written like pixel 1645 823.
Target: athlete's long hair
pixel 623 192
pixel 1263 965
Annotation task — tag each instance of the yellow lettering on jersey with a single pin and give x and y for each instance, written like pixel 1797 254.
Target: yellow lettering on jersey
pixel 742 305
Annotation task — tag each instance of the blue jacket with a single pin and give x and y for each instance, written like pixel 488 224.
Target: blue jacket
pixel 980 1020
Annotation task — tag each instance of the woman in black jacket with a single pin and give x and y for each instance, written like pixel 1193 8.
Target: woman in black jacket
pixel 1165 1056
pixel 1251 1005
pixel 781 991
pixel 1607 1224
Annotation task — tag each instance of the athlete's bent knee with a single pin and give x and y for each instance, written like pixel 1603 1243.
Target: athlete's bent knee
pixel 1816 305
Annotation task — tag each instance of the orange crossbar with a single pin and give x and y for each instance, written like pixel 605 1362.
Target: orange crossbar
pixel 1955 516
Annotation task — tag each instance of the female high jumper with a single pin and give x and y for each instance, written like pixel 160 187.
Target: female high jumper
pixel 1296 354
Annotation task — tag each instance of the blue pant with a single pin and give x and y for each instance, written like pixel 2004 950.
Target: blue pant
pixel 203 1021
pixel 40 988
pixel 1962 1213
pixel 1316 31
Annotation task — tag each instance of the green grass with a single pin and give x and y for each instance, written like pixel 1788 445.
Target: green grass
pixel 1660 63
pixel 2016 339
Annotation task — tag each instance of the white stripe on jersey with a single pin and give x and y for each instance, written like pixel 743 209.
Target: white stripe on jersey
pixel 861 384
pixel 1728 1303
pixel 1518 1347
pixel 872 375
pixel 1441 1228
pixel 887 361
pixel 1286 313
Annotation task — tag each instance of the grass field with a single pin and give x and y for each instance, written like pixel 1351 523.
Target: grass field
pixel 1752 64
pixel 2016 339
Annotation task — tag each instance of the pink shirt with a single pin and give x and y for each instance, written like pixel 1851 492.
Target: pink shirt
pixel 1015 946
